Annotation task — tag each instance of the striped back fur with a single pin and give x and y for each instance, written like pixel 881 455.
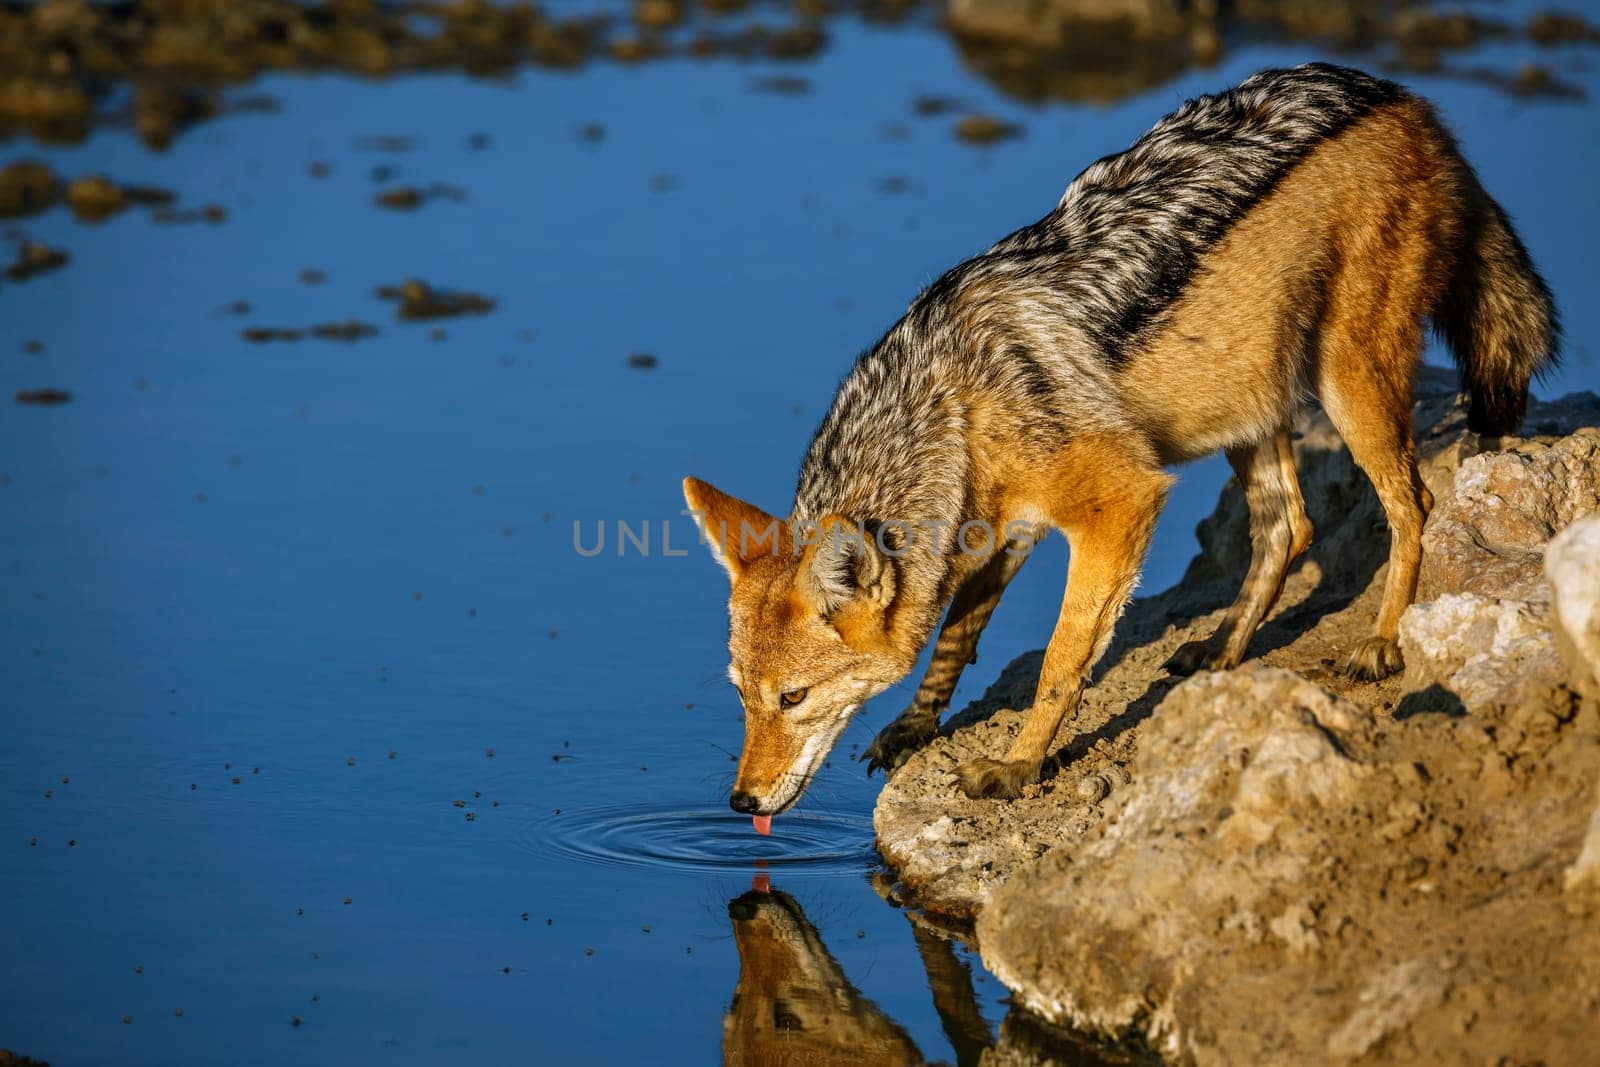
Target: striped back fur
pixel 1137 223
pixel 1086 283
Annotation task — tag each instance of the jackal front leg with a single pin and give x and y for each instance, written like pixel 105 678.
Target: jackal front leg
pixel 956 647
pixel 1108 525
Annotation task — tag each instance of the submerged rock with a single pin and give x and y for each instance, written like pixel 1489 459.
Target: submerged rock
pixel 26 187
pixel 95 197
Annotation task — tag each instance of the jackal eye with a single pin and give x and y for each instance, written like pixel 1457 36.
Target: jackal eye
pixel 791 698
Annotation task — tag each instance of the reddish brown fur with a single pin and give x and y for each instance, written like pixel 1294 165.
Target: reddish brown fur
pixel 1324 288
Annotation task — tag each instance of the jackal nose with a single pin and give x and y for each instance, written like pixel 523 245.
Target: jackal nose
pixel 742 801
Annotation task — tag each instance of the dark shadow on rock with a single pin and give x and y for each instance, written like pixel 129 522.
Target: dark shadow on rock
pixel 1027 1039
pixel 1137 710
pixel 1434 700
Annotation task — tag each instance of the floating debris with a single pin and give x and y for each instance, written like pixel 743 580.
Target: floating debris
pixel 419 300
pixel 781 84
pixel 33 258
pixel 210 213
pixel 43 397
pixel 96 197
pixel 411 197
pixel 263 334
pixel 930 106
pixel 1530 80
pixel 350 330
pixel 643 361
pixel 981 129
pixel 386 142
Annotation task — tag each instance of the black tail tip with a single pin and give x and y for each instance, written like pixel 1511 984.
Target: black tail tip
pixel 1496 412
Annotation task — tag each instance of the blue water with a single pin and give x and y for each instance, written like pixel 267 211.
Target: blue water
pixel 269 611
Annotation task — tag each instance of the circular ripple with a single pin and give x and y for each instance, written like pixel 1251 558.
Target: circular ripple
pixel 702 840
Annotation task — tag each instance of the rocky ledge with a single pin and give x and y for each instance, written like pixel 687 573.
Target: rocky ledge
pixel 1280 864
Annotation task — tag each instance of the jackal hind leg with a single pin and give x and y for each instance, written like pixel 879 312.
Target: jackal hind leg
pixel 1369 402
pixel 1105 499
pixel 957 645
pixel 1279 533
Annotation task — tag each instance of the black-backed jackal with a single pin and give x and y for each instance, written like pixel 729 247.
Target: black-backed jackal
pixel 1290 237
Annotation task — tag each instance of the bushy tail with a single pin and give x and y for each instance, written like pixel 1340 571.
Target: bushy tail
pixel 1497 316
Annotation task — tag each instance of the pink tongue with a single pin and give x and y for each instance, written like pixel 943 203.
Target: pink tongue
pixel 762 823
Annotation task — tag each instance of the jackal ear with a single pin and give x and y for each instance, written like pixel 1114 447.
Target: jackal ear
pixel 845 565
pixel 736 532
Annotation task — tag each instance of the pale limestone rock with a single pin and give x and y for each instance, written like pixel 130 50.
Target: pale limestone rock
pixel 1488 535
pixel 1483 650
pixel 1572 564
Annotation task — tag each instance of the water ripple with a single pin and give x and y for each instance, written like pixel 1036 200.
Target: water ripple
pixel 703 839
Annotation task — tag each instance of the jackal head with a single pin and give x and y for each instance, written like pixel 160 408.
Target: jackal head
pixel 809 637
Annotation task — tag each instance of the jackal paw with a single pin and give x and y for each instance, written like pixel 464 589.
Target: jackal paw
pixel 1204 655
pixel 996 779
pixel 1374 658
pixel 896 742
